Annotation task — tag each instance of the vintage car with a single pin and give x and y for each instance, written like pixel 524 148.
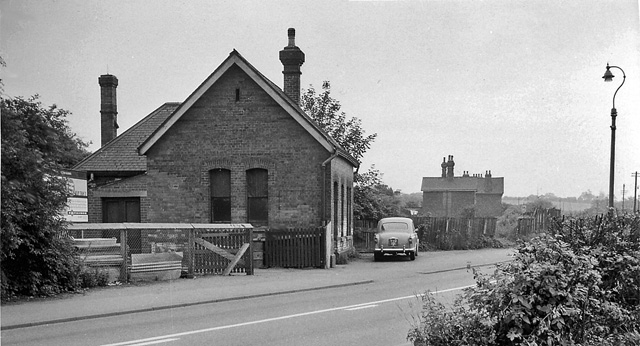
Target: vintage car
pixel 396 235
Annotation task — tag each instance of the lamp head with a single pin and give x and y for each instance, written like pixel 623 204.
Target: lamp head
pixel 608 76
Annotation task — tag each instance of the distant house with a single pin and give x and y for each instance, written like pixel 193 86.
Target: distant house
pixel 451 196
pixel 237 150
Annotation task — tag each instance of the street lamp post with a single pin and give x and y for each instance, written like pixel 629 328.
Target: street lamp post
pixel 608 77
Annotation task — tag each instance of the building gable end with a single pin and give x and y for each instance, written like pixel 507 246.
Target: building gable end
pixel 236 59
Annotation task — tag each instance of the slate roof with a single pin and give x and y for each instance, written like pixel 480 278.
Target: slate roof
pixel 121 153
pixel 475 184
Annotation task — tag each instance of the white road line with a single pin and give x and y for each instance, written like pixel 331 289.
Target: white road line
pixel 155 342
pixel 155 338
pixel 362 307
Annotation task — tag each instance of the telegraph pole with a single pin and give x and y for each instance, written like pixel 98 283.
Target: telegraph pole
pixel 623 189
pixel 635 191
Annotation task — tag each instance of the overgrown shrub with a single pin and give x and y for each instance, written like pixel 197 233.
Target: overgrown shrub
pixel 579 285
pixel 93 277
pixel 455 239
pixel 36 144
pixel 508 222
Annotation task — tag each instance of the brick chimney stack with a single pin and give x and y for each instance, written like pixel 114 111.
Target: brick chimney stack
pixel 444 167
pixel 488 182
pixel 292 58
pixel 450 165
pixel 108 108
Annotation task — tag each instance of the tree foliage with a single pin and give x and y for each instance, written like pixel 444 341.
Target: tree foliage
pixel 373 199
pixel 36 143
pixel 325 110
pixel 578 286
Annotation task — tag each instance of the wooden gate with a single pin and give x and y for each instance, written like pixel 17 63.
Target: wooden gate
pixel 221 251
pixel 295 247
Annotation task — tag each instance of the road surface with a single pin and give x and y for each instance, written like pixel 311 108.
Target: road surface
pixel 379 312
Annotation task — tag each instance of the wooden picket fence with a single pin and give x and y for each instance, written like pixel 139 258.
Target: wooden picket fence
pixel 295 247
pixel 455 233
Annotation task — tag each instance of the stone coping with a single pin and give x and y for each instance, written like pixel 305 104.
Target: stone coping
pixel 128 225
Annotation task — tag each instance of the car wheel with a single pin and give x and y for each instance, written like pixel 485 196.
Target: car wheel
pixel 412 255
pixel 377 256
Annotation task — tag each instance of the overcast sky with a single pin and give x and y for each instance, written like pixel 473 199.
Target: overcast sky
pixel 513 87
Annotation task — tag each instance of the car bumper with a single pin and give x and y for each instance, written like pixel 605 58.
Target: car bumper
pixel 396 250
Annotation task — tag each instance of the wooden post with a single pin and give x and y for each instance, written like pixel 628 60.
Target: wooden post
pixel 249 258
pixel 123 253
pixel 327 246
pixel 191 258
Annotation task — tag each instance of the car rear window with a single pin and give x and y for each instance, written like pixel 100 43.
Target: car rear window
pixel 395 226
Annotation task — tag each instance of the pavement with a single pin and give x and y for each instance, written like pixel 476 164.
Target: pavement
pixel 141 297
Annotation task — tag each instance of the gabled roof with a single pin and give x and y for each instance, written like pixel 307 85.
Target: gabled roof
pixel 121 154
pixel 235 59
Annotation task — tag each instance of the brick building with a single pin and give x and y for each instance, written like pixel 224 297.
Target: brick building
pixel 237 150
pixel 450 196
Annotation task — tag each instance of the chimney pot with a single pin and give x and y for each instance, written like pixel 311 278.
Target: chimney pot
pixel 292 58
pixel 450 165
pixel 292 37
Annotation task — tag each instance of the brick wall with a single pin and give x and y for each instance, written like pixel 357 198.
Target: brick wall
pixel 433 203
pixel 488 205
pixel 459 201
pixel 342 173
pixel 220 132
pixel 447 203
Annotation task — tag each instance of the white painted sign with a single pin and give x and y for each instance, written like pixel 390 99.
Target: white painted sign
pixel 77 209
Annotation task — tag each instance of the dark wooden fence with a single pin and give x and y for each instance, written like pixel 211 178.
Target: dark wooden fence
pixel 295 247
pixel 455 233
pixel 536 221
pixel 434 232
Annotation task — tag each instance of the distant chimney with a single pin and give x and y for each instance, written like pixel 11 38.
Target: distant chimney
pixel 444 167
pixel 488 182
pixel 108 108
pixel 450 165
pixel 292 58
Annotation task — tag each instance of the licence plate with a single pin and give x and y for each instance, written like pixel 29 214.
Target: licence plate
pixel 393 242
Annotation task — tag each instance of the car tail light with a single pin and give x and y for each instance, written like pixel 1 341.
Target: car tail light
pixel 375 239
pixel 410 241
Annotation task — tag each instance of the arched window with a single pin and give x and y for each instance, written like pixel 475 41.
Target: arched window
pixel 349 211
pixel 335 210
pixel 258 196
pixel 220 195
pixel 342 205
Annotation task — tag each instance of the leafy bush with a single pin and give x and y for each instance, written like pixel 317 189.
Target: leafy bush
pixel 455 239
pixel 93 277
pixel 578 286
pixel 508 222
pixel 36 144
